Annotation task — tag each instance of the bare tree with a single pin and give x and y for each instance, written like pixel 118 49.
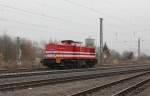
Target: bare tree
pixel 128 55
pixel 115 54
pixel 28 50
pixel 7 48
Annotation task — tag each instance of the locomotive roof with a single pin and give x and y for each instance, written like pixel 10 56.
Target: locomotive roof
pixel 70 41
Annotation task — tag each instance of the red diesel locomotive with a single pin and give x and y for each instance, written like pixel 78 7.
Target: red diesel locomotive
pixel 69 54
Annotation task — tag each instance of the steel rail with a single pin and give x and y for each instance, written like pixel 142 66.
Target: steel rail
pixel 23 74
pixel 32 83
pixel 131 88
pixel 87 92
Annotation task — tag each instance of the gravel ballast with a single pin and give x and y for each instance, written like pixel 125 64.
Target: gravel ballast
pixel 64 89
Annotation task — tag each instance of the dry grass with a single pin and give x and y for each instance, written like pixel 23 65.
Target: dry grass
pixel 125 62
pixel 12 65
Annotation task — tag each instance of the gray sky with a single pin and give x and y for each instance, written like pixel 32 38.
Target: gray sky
pixel 124 21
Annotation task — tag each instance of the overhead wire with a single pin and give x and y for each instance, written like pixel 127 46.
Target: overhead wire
pixel 41 15
pixel 51 17
pixel 97 11
pixel 34 13
pixel 102 13
pixel 29 24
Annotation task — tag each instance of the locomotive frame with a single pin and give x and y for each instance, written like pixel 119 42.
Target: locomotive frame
pixel 69 54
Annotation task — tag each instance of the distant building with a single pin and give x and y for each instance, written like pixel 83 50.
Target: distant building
pixel 90 42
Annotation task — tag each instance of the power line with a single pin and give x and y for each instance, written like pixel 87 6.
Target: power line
pixel 99 12
pixel 37 14
pixel 41 15
pixel 29 29
pixel 117 26
pixel 35 25
pixel 29 24
pixel 109 3
pixel 96 11
pixel 109 23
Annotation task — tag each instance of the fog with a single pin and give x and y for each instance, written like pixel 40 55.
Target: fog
pixel 124 21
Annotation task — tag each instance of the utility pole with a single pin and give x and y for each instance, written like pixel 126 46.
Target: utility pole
pixel 101 41
pixel 5 48
pixel 18 51
pixel 139 48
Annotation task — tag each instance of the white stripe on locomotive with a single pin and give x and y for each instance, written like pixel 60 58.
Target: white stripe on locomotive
pixel 67 52
pixel 62 55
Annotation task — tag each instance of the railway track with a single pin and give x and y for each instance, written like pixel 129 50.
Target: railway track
pixel 20 70
pixel 34 73
pixel 132 90
pixel 124 92
pixel 3 71
pixel 40 82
